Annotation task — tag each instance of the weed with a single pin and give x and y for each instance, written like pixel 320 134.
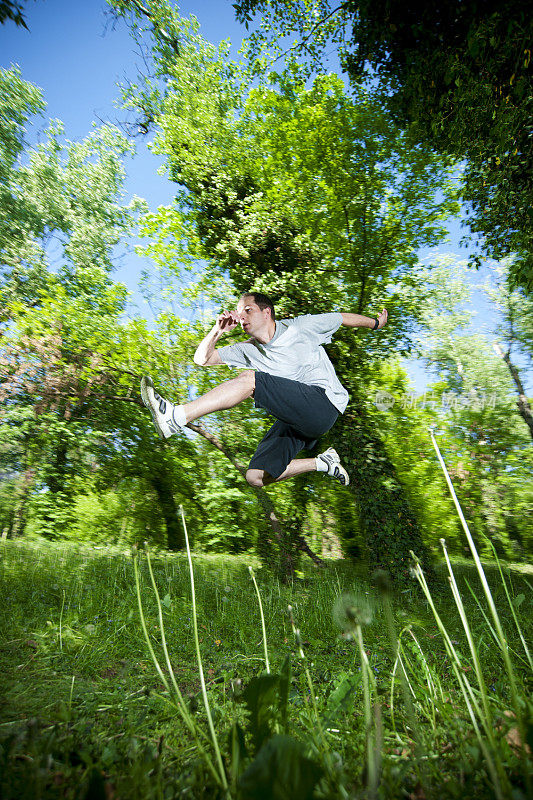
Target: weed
pixel 402 710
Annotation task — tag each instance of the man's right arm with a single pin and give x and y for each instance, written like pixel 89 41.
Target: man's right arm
pixel 206 355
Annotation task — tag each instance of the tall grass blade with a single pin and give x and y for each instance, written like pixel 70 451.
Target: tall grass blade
pixel 180 703
pixel 496 619
pixel 466 689
pixel 151 650
pixel 487 712
pixel 368 678
pixel 489 624
pixel 470 639
pixel 61 623
pixel 511 604
pixel 220 763
pixel 267 664
pixel 322 741
pixel 383 583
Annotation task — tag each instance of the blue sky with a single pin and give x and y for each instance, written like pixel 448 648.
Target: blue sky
pixel 76 54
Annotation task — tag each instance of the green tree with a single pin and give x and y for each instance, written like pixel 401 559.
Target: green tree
pixel 515 331
pixel 476 393
pixel 458 72
pixel 61 206
pixel 404 420
pixel 62 214
pixel 12 10
pixel 316 198
pixel 19 101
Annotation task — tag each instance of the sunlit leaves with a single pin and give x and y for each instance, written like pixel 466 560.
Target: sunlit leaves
pixel 62 210
pixel 459 73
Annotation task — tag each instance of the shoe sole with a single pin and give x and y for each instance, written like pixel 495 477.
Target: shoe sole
pixel 339 472
pixel 341 475
pixel 147 396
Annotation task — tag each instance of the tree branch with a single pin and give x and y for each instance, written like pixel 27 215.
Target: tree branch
pixel 524 409
pixel 263 498
pixel 317 25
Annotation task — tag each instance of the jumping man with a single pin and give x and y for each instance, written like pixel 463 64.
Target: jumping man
pixel 289 375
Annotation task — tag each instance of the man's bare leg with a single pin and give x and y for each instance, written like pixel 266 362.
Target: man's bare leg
pixel 226 395
pixel 328 462
pixel 169 418
pixel 298 466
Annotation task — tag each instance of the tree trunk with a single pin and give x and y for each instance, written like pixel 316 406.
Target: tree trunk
pixel 162 486
pixel 279 535
pixel 57 473
pixel 524 409
pixel 19 518
pixel 387 520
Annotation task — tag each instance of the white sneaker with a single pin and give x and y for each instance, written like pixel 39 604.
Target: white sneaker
pixel 162 410
pixel 334 467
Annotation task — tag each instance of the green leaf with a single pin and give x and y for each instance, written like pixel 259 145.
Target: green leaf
pixel 280 771
pixel 237 749
pixel 342 699
pixel 284 686
pixel 261 699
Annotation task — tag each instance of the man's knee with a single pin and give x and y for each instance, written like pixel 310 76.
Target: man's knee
pixel 255 477
pixel 259 477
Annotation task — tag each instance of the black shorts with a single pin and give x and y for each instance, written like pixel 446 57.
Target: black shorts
pixel 303 414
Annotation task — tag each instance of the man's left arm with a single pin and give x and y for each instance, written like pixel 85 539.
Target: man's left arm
pixel 360 321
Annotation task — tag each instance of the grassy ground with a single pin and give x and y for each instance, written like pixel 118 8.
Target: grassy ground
pixel 85 714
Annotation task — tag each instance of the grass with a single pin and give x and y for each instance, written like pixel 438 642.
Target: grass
pixel 378 707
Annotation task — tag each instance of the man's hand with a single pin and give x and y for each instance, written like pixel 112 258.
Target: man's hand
pixel 382 317
pixel 206 354
pixel 226 321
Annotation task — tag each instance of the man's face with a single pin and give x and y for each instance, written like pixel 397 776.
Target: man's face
pixel 252 318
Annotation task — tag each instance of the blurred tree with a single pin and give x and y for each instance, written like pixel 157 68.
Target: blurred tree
pixel 61 216
pixel 476 390
pixel 458 72
pixel 315 198
pixel 515 331
pixel 404 419
pixel 62 212
pixel 12 10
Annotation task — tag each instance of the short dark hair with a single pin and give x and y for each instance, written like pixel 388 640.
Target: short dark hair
pixel 263 301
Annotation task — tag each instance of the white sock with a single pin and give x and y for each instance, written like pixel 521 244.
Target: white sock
pixel 178 415
pixel 321 465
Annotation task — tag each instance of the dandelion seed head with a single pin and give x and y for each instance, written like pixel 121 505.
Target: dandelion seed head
pixel 350 611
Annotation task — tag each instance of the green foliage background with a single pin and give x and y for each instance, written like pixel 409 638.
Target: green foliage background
pixel 293 186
